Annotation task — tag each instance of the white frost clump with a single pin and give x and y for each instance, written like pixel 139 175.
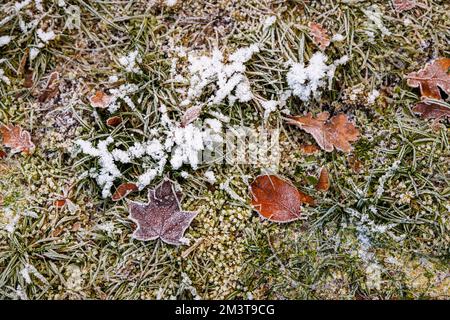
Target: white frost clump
pixel 4 40
pixel 171 3
pixel 337 38
pixel 373 96
pixel 108 170
pixel 122 93
pixel 25 273
pixel 269 21
pixel 228 79
pixel 33 53
pixel 4 78
pixel 306 81
pixel 209 175
pixel 45 36
pixel 269 107
pixel 374 15
pixel 130 61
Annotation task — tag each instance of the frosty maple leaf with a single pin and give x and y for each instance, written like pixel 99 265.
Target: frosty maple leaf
pixel 17 139
pixel 161 217
pixel 432 77
pixel 319 35
pixel 336 132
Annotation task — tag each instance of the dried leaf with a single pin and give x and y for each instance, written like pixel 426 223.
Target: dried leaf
pixel 190 115
pixel 59 203
pixel 123 190
pixel 51 89
pixel 336 132
pixel 28 83
pixel 404 5
pixel 276 199
pixel 432 77
pixel 354 163
pixel 23 63
pixel 430 110
pixel 2 154
pixel 324 180
pixel 161 217
pixel 17 139
pixel 309 148
pixel 319 35
pixel 100 100
pixel 114 121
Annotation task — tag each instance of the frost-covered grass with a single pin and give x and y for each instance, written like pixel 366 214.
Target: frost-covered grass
pixel 382 231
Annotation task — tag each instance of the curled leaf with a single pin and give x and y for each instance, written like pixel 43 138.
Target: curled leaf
pixel 114 121
pixel 123 190
pixel 431 110
pixel 336 132
pixel 17 139
pixel 324 180
pixel 433 76
pixel 276 199
pixel 319 35
pixel 51 89
pixel 100 100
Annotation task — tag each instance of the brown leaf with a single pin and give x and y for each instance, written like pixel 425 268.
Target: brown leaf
pixel 100 100
pixel 23 63
pixel 404 5
pixel 162 216
pixel 309 148
pixel 336 132
pixel 51 89
pixel 2 154
pixel 319 35
pixel 354 163
pixel 432 77
pixel 17 139
pixel 114 121
pixel 123 190
pixel 190 115
pixel 276 199
pixel 430 110
pixel 324 180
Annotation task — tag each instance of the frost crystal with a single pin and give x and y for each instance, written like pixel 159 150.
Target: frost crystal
pixel 374 15
pixel 130 61
pixel 4 40
pixel 45 36
pixel 269 107
pixel 227 79
pixel 209 175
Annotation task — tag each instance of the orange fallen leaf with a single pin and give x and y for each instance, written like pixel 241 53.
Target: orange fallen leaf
pixel 51 89
pixel 309 148
pixel 324 180
pixel 336 132
pixel 276 199
pixel 100 100
pixel 319 35
pixel 431 110
pixel 17 139
pixel 59 203
pixel 114 121
pixel 123 190
pixel 433 76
